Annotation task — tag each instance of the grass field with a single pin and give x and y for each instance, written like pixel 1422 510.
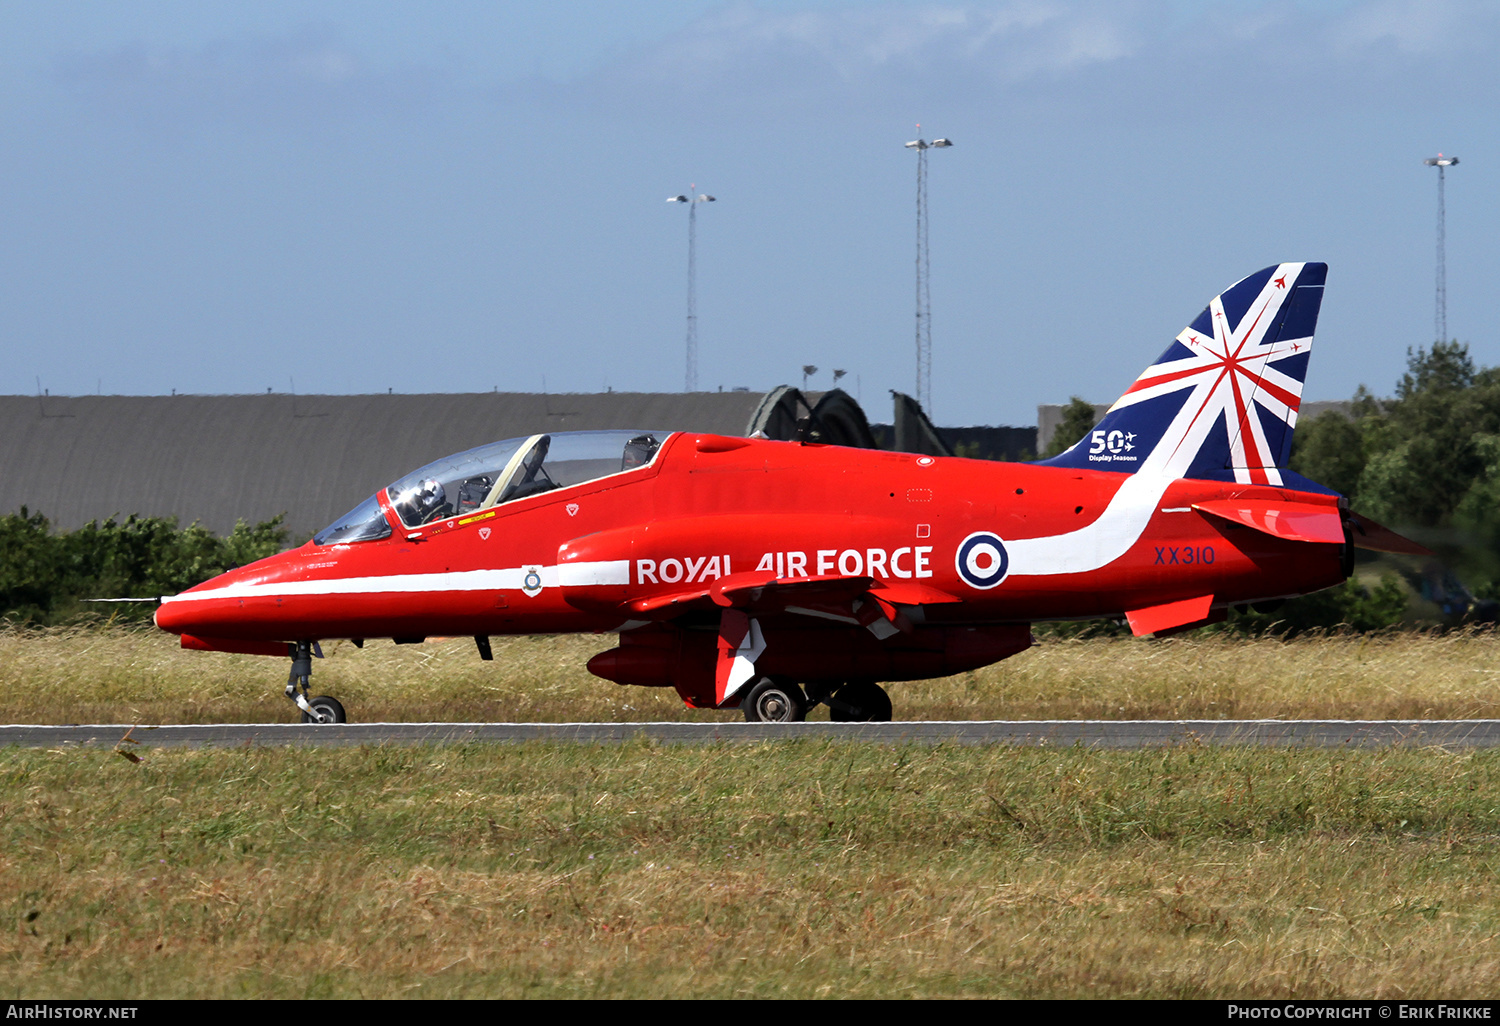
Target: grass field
pixel 778 869
pixel 141 676
pixel 781 869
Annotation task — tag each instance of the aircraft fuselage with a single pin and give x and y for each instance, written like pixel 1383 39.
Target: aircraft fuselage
pixel 713 508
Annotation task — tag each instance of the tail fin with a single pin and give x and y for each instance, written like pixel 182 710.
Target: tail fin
pixel 1221 402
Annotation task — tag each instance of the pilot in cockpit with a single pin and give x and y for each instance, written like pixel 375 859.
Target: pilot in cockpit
pixel 429 502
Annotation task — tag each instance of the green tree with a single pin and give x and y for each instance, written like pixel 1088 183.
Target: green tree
pixel 28 565
pixel 1428 450
pixel 45 577
pixel 1351 605
pixel 1426 461
pixel 1077 422
pixel 1329 449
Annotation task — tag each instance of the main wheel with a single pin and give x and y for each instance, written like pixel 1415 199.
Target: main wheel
pixel 328 710
pixel 774 701
pixel 867 700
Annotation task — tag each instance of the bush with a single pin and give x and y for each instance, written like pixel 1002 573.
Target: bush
pixel 1351 605
pixel 45 576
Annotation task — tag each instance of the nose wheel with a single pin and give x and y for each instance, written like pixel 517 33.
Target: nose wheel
pixel 322 709
pixel 325 709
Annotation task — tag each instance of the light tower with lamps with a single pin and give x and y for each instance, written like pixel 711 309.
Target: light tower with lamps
pixel 692 201
pixel 924 294
pixel 1440 311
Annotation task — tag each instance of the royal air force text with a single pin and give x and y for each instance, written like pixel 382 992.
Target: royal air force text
pixel 906 563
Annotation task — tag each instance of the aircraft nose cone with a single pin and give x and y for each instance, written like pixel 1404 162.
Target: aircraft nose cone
pixel 216 606
pixel 172 617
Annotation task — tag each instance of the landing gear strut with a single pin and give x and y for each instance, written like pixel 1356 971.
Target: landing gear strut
pixel 321 709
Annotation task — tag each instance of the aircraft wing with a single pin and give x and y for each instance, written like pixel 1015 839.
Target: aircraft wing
pixel 830 597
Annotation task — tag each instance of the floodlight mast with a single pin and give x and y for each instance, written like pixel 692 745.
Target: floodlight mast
pixel 1440 302
pixel 692 200
pixel 924 293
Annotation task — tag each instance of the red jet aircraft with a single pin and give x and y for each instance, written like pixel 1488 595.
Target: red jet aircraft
pixel 771 576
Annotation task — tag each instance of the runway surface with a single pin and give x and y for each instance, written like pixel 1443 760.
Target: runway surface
pixel 1058 733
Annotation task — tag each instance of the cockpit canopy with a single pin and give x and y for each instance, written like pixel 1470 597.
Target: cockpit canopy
pixel 493 474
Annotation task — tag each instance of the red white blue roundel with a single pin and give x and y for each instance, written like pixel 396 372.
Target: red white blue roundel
pixel 982 560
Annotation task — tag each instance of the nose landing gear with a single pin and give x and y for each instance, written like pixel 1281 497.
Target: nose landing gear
pixel 325 709
pixel 322 709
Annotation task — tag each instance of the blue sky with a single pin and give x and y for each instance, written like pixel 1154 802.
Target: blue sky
pixel 351 197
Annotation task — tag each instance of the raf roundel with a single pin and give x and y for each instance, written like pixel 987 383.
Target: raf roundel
pixel 982 561
pixel 531 581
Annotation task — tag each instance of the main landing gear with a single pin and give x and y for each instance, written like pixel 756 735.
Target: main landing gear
pixel 860 701
pixel 322 709
pixel 774 700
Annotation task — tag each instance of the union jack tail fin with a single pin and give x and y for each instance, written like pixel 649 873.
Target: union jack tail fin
pixel 1221 402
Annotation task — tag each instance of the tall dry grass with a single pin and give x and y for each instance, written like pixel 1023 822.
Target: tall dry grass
pixel 122 675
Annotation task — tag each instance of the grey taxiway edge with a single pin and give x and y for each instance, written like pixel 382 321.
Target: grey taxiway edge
pixel 1056 733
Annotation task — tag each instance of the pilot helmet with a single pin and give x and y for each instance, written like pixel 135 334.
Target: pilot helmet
pixel 429 494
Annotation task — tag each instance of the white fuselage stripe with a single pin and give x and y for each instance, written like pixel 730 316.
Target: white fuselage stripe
pixel 1105 540
pixel 604 571
pixel 507 579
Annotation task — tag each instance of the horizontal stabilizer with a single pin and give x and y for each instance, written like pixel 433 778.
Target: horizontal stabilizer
pixel 1293 521
pixel 1367 534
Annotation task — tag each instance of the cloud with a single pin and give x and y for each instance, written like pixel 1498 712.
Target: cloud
pixel 1414 28
pixel 1013 40
pixel 305 77
pixel 1097 56
pixel 1085 61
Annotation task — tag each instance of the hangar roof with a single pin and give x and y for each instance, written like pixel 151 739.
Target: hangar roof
pixel 221 458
